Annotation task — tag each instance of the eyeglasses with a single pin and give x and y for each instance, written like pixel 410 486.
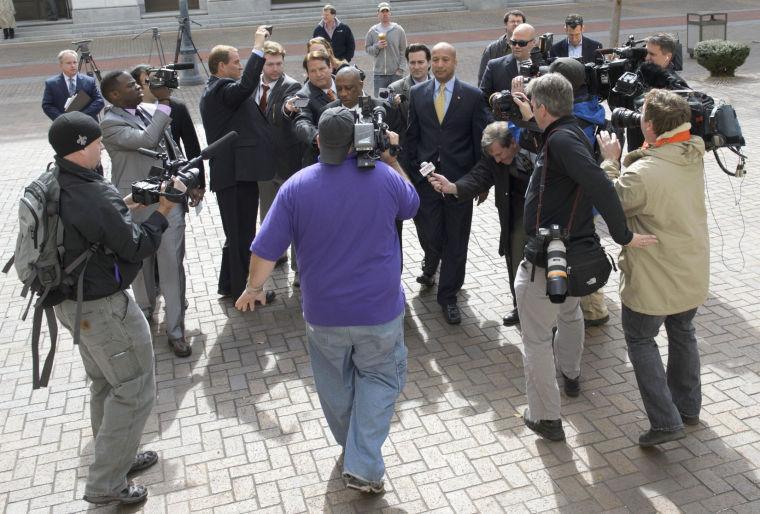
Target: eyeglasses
pixel 521 44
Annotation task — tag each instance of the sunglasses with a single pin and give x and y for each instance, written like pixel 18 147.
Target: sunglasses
pixel 521 44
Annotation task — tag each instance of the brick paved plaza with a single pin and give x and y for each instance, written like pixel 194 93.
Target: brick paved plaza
pixel 238 426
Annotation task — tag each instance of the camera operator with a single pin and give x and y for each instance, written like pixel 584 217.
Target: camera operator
pixel 662 190
pixel 656 72
pixel 353 299
pixel 565 183
pixel 182 126
pixel 590 116
pixel 500 72
pixel 114 339
pixel 320 90
pixel 127 127
pixel 502 167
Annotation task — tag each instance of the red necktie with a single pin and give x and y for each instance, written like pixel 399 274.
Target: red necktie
pixel 330 95
pixel 263 100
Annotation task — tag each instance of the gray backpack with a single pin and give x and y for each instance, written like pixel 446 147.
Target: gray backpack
pixel 38 260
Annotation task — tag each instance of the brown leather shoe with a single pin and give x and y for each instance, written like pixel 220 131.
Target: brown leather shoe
pixel 180 347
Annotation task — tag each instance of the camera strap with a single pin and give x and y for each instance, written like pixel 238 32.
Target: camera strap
pixel 542 185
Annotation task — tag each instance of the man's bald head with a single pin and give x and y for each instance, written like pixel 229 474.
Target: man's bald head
pixel 523 40
pixel 349 85
pixel 445 47
pixel 444 61
pixel 349 73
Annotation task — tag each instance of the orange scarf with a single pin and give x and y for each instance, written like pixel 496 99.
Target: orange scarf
pixel 680 137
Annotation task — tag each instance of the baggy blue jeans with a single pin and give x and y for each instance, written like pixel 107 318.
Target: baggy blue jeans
pixel 359 371
pixel 666 394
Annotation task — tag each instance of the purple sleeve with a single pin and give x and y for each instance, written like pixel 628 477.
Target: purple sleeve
pixel 276 231
pixel 164 109
pixel 408 199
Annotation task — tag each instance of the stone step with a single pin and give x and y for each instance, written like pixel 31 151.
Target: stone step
pixel 282 16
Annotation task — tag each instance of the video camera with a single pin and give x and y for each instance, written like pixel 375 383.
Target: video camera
pixel 167 76
pixel 539 59
pixel 390 96
pixel 148 191
pixel 504 107
pixel 603 75
pixel 371 134
pixel 716 123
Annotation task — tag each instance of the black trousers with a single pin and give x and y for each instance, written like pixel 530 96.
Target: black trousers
pixel 443 224
pixel 238 206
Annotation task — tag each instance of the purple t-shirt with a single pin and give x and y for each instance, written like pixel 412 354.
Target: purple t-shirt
pixel 342 222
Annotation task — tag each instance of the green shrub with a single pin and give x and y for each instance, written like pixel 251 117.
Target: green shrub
pixel 720 57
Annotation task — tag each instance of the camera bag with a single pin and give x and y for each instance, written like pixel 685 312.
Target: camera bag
pixel 38 260
pixel 587 271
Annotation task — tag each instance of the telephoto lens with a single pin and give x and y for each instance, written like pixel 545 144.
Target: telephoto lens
pixel 556 267
pixel 625 118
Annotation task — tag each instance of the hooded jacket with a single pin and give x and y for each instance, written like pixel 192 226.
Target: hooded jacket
pixel 662 193
pixel 389 60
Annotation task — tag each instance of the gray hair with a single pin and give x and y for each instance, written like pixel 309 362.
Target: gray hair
pixel 666 42
pixel 496 132
pixel 62 53
pixel 554 92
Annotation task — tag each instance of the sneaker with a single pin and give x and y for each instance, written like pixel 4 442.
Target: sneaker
pixel 363 486
pixel 550 429
pixel 655 437
pixel 572 386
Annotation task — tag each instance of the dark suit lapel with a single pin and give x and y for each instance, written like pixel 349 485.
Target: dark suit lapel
pixel 63 85
pixel 456 99
pixel 427 99
pixel 274 95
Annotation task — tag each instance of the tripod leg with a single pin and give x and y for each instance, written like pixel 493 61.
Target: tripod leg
pixel 94 70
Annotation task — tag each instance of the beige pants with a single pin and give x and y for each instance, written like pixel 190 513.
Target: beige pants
pixel 593 306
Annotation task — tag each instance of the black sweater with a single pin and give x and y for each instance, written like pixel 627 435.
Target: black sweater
pixel 92 211
pixel 572 165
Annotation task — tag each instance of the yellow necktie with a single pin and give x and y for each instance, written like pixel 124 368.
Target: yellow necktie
pixel 440 103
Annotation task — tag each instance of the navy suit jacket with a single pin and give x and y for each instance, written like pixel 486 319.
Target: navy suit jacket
pixel 588 51
pixel 498 75
pixel 454 144
pixel 57 92
pixel 228 105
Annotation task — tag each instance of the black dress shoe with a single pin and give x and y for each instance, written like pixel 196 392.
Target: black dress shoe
pixel 654 437
pixel 426 280
pixel 596 322
pixel 690 420
pixel 451 312
pixel 550 429
pixel 180 347
pixel 270 296
pixel 224 293
pixel 511 319
pixel 572 386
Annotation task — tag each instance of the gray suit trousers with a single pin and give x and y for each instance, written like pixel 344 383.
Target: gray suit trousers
pixel 171 271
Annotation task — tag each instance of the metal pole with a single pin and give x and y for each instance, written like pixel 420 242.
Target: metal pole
pixel 186 50
pixel 615 26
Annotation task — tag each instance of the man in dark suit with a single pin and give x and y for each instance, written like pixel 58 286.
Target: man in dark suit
pixel 320 90
pixel 501 47
pixel 228 104
pixel 274 89
pixel 60 88
pixel 500 72
pixel 576 44
pixel 446 121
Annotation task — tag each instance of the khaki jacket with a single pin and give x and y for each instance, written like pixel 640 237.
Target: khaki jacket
pixel 662 192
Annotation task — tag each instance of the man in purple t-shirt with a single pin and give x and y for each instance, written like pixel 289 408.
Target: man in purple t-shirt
pixel 342 222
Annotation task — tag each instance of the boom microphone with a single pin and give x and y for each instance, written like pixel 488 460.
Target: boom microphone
pixel 212 149
pixel 181 66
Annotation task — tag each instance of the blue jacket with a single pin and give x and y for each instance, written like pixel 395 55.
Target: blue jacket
pixel 592 112
pixel 57 92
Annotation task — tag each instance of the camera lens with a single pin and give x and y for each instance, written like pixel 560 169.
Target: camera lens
pixel 625 118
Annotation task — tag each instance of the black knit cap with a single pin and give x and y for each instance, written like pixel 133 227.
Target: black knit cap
pixel 71 132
